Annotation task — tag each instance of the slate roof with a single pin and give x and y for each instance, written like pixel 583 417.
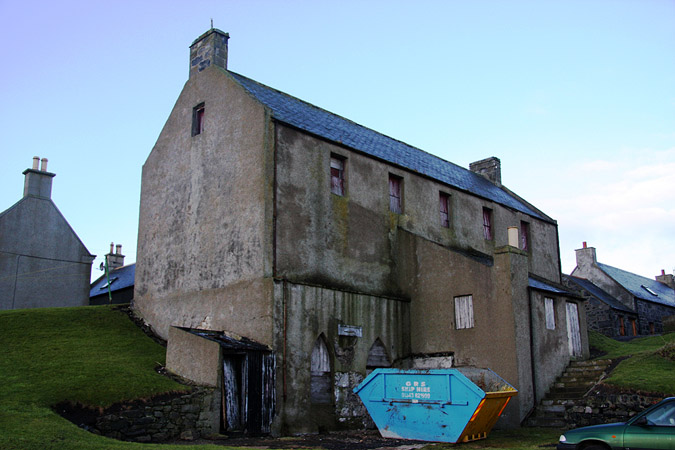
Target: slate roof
pixel 317 121
pixel 598 293
pixel 636 284
pixel 548 286
pixel 120 278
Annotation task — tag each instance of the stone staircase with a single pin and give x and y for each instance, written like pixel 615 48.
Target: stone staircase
pixel 568 391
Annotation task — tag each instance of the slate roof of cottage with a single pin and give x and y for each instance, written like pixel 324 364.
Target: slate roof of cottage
pixel 598 293
pixel 322 123
pixel 120 278
pixel 641 286
pixel 548 286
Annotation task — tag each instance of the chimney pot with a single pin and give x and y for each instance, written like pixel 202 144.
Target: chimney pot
pixel 663 272
pixel 43 166
pixel 118 249
pixel 584 245
pixel 112 245
pixel 36 162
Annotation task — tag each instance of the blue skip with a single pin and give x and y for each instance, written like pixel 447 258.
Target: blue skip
pixel 444 405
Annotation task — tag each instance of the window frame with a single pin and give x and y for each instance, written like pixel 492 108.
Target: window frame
pixel 444 201
pixel 340 187
pixel 488 224
pixel 198 113
pixel 395 187
pixel 525 244
pixel 464 317
pixel 549 311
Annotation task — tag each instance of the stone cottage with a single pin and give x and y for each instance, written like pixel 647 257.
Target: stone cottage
pixel 622 303
pixel 285 252
pixel 42 261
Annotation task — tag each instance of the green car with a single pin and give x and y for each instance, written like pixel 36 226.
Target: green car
pixel 654 428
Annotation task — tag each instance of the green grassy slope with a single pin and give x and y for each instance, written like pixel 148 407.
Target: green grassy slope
pixel 92 355
pixel 649 365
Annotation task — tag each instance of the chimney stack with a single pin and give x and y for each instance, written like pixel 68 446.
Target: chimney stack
pixel 586 257
pixel 666 278
pixel 116 259
pixel 38 182
pixel 209 49
pixel 490 168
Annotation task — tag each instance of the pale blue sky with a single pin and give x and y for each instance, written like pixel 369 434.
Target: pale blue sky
pixel 577 99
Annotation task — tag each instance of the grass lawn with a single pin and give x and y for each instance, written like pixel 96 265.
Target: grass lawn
pixel 93 355
pixel 649 366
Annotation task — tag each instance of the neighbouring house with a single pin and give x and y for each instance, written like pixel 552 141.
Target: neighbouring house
pixel 622 303
pixel 42 261
pixel 117 286
pixel 284 252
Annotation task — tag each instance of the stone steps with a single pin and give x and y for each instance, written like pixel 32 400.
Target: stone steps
pixel 571 385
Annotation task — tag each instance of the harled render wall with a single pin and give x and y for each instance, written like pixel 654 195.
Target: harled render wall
pixel 205 228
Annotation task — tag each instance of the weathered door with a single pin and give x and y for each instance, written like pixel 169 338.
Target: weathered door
pixel 573 333
pixel 232 392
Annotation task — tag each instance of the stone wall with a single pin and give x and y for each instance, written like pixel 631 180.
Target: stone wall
pixel 184 416
pixel 605 408
pixel 652 313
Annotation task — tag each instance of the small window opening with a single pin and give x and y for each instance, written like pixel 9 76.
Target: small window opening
pixel 525 236
pixel 395 191
pixel 487 224
pixel 444 209
pixel 198 119
pixel 550 313
pixel 321 379
pixel 622 326
pixel 377 357
pixel 464 312
pixel 337 175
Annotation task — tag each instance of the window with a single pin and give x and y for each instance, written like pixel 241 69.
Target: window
pixel 337 175
pixel 622 326
pixel 444 209
pixel 463 312
pixel 395 191
pixel 652 329
pixel 550 313
pixel 377 357
pixel 525 236
pixel 633 326
pixel 198 119
pixel 487 224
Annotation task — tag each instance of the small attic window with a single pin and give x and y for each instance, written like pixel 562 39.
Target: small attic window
pixel 198 119
pixel 649 290
pixel 112 280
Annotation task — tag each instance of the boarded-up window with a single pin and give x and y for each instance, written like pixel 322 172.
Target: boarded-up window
pixel 622 326
pixel 337 175
pixel 525 236
pixel 198 119
pixel 652 329
pixel 444 209
pixel 487 224
pixel 550 313
pixel 464 312
pixel 573 332
pixel 377 356
pixel 633 325
pixel 395 194
pixel 321 391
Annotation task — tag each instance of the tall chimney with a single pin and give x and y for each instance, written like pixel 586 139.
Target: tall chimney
pixel 666 278
pixel 585 257
pixel 115 259
pixel 38 182
pixel 490 168
pixel 209 49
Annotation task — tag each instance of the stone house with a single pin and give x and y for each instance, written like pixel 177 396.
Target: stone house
pixel 285 252
pixel 640 305
pixel 118 285
pixel 43 263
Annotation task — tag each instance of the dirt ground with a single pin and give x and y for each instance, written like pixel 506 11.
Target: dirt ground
pixel 353 440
